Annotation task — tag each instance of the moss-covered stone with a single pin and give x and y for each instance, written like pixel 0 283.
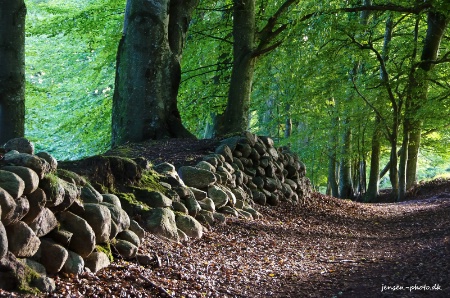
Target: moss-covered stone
pixel 106 249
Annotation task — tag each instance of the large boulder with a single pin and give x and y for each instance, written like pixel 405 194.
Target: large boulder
pixel 22 241
pixel 29 177
pixel 53 189
pixel 90 195
pixel 136 228
pixel 74 264
pixel 125 248
pixel 53 256
pixel 189 225
pixel 12 183
pixel 7 205
pixel 83 239
pixel 153 199
pixel 120 219
pixel 218 195
pixel 96 261
pixel 192 205
pixel 198 178
pixel 21 145
pixel 36 200
pixel 37 164
pixel 99 218
pixel 112 199
pixel 71 194
pixel 44 223
pixel 161 221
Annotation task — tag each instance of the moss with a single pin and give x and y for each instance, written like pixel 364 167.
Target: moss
pixel 106 249
pixel 150 181
pixel 24 281
pixel 130 203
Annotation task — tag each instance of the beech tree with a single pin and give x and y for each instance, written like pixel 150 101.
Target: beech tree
pixel 148 71
pixel 12 69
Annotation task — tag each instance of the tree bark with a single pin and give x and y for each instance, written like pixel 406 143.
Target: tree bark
pixel 236 118
pixel 148 71
pixel 12 69
pixel 374 177
pixel 419 84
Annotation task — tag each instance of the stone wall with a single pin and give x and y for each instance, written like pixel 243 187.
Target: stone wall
pixel 54 220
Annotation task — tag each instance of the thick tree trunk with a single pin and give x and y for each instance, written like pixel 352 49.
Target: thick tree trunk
pixel 12 69
pixel 236 116
pixel 374 177
pixel 148 71
pixel 437 23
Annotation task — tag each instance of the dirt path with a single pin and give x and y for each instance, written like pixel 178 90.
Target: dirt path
pixel 327 248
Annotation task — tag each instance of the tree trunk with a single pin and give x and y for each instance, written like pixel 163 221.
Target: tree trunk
pixel 148 71
pixel 374 177
pixel 345 175
pixel 402 164
pixel 437 23
pixel 12 69
pixel 235 118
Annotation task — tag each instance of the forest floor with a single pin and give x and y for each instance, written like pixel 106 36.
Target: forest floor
pixel 325 247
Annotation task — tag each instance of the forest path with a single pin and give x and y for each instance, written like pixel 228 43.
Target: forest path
pixel 324 248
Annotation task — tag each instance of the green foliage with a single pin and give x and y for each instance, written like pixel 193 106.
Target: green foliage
pixel 70 61
pixel 106 249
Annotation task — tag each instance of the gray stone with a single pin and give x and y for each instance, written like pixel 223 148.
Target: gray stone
pixel 37 164
pixel 206 217
pixel 74 264
pixel 212 159
pixel 189 225
pixel 182 236
pixel 71 194
pixel 207 204
pixel 71 177
pixel 36 201
pixel 7 206
pixel 119 217
pixel 22 241
pixel 259 197
pixel 164 168
pixel 53 189
pixel 53 163
pixel 44 223
pixel 96 261
pixel 83 239
pixel 44 284
pixel 99 218
pixel 245 149
pixel 192 206
pixel 226 152
pixel 53 256
pixel 267 141
pixel 229 210
pixel 22 208
pixel 179 207
pixel 245 214
pixel 61 236
pixel 219 218
pixel 197 178
pixel 205 166
pixel 3 241
pixel 90 195
pixel 29 177
pixel 219 196
pixel 21 145
pixel 126 249
pixel 253 212
pixel 153 199
pixel 12 183
pixel 161 221
pixel 129 236
pixel 112 199
pixel 36 266
pixel 137 229
pixel 231 142
pixel 198 194
pixel 144 260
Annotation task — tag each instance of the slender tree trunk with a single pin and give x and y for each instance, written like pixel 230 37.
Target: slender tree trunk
pixel 236 118
pixel 332 162
pixel 148 71
pixel 402 164
pixel 345 175
pixel 12 69
pixel 374 177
